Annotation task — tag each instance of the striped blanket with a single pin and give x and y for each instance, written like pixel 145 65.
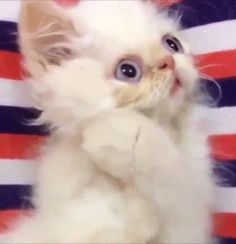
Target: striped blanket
pixel 210 26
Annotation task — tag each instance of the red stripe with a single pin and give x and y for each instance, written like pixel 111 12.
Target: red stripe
pixel 10 65
pixel 223 146
pixel 225 225
pixel 8 217
pixel 19 146
pixel 26 146
pixel 218 64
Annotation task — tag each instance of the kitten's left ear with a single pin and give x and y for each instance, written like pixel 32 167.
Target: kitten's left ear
pixel 45 32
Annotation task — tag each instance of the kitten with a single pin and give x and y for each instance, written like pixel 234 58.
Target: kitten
pixel 126 162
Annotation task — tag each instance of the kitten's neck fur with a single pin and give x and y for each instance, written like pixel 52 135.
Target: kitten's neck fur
pixel 175 125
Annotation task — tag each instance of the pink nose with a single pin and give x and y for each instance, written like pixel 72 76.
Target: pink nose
pixel 167 62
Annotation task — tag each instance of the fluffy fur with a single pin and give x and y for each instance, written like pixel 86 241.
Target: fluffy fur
pixel 125 163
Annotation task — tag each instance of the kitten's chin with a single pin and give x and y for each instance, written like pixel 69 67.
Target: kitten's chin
pixel 172 104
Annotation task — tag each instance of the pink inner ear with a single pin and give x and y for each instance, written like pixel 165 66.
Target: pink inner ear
pixel 67 3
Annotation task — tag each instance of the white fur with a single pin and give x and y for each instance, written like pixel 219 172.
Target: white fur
pixel 118 175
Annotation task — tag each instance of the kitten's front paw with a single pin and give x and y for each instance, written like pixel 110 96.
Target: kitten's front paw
pixel 110 140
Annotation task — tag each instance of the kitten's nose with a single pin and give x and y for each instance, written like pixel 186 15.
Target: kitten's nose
pixel 167 62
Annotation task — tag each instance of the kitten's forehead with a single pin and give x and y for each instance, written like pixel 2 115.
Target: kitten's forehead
pixel 126 22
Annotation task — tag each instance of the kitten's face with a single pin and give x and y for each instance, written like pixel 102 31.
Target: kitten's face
pixel 106 54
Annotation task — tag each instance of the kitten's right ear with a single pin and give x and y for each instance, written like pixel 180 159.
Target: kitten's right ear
pixel 45 32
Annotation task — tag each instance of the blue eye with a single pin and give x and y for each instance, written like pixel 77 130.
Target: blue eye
pixel 128 71
pixel 172 44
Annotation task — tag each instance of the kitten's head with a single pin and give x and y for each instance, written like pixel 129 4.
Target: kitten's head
pixel 101 55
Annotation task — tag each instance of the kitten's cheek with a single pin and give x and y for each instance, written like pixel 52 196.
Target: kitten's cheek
pixel 107 103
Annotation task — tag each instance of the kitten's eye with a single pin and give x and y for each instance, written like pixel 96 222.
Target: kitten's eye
pixel 128 71
pixel 172 44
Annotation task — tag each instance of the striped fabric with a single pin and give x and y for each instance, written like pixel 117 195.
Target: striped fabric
pixel 210 26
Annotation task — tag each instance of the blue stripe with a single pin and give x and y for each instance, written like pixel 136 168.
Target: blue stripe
pixel 225 172
pixel 16 120
pixel 8 36
pixel 201 12
pixel 226 241
pixel 226 96
pixel 15 197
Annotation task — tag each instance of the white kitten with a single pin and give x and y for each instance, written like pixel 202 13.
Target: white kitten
pixel 127 162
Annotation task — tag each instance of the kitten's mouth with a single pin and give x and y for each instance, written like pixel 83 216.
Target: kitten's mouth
pixel 175 86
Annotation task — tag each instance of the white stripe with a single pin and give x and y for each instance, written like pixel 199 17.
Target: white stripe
pixel 9 10
pixel 226 199
pixel 213 37
pixel 15 93
pixel 218 121
pixel 17 171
